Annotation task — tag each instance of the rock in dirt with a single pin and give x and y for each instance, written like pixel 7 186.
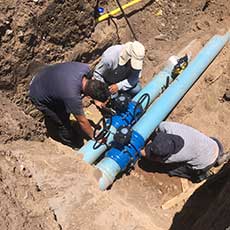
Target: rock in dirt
pixel 227 95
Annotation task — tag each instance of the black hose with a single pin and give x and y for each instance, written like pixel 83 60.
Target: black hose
pixel 104 132
pixel 138 105
pixel 123 12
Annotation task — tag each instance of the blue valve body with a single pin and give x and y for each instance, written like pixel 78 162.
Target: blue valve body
pixel 128 154
pixel 128 117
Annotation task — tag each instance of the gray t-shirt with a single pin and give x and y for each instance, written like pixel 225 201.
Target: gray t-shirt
pixel 60 86
pixel 199 150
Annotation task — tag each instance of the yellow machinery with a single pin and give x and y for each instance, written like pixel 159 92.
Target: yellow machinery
pixel 117 10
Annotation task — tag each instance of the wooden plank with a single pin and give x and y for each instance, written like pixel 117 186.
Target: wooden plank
pixel 181 197
pixel 184 184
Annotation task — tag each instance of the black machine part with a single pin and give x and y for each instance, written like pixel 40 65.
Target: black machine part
pixel 105 111
pixel 182 63
pixel 101 133
pixel 139 110
pixel 123 135
pixel 120 102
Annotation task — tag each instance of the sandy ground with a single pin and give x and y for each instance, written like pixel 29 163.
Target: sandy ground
pixel 68 189
pixel 44 185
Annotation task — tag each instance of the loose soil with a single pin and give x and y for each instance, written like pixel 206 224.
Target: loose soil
pixel 45 185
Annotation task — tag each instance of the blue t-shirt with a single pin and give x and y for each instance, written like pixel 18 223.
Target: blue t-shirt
pixel 60 86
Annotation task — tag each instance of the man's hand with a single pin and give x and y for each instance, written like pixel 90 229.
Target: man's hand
pixel 113 88
pixel 143 153
pixel 100 104
pixel 85 125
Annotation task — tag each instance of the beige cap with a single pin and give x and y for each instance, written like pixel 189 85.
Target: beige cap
pixel 135 52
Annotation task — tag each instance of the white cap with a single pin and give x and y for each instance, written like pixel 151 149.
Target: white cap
pixel 135 52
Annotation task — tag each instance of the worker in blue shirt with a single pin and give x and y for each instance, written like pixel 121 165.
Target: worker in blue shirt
pixel 57 92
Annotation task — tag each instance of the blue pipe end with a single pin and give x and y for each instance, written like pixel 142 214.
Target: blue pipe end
pixel 117 161
pixel 109 169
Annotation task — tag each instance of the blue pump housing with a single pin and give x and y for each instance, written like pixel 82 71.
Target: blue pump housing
pixel 129 154
pixel 129 117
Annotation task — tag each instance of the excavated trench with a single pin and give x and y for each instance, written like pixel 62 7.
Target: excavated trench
pixel 42 183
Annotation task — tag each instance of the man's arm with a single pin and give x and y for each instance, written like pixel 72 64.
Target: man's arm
pixel 100 70
pixel 85 125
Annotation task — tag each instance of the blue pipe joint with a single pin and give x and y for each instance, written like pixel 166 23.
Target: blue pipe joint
pixel 132 114
pixel 129 154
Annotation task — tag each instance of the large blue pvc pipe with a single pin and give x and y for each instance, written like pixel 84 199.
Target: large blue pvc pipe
pixel 160 109
pixel 166 102
pixel 153 89
pixel 90 154
pixel 157 85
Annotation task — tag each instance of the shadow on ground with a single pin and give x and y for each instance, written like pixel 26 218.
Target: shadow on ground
pixel 208 207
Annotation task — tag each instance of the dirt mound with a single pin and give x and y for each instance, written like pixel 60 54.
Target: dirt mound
pixel 40 30
pixel 44 185
pixel 66 23
pixel 70 189
pixel 16 125
pixel 46 32
pixel 22 203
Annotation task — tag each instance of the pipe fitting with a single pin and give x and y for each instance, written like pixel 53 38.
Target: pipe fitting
pixel 129 154
pixel 128 117
pixel 109 169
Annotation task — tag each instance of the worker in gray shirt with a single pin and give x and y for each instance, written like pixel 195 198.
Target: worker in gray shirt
pixel 120 67
pixel 190 153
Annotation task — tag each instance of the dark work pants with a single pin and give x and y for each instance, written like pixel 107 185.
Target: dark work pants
pixel 58 125
pixel 185 171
